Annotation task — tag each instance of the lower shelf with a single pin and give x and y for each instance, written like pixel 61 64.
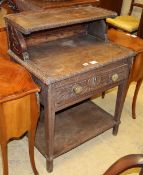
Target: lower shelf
pixel 74 126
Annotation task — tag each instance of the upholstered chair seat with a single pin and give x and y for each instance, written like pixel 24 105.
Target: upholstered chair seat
pixel 127 23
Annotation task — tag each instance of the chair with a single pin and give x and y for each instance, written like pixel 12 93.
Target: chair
pixel 140 29
pixel 127 23
pixel 19 108
pixel 125 163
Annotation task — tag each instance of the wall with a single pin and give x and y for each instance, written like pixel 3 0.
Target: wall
pixel 126 5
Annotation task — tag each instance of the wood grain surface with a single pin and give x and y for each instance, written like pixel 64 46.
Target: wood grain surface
pixel 28 22
pixel 15 81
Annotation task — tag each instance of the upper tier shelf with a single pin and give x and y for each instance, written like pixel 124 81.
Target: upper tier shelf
pixel 28 22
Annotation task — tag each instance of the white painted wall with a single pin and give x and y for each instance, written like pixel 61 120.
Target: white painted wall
pixel 126 5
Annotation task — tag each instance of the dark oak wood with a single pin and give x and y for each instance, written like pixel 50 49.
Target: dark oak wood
pixel 125 163
pixel 27 23
pixel 70 68
pixel 74 122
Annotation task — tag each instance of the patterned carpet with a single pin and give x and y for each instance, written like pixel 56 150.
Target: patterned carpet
pixel 94 156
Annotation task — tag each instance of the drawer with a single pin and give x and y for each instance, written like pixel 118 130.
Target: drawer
pixel 83 88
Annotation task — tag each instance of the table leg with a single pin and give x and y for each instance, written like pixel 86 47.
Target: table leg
pixel 119 105
pixel 138 85
pixel 31 133
pixel 4 158
pixel 3 141
pixel 49 113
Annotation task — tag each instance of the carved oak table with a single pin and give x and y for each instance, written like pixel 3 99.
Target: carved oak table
pixel 70 57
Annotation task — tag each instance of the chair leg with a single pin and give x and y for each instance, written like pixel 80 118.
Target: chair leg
pixel 4 158
pixel 135 98
pixel 31 134
pixel 141 172
pixel 103 94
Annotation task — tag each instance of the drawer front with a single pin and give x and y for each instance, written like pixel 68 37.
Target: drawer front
pixel 80 89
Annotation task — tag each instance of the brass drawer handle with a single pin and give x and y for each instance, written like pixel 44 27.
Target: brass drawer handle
pixel 77 89
pixel 115 77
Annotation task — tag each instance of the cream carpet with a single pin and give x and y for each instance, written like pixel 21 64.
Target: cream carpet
pixel 94 156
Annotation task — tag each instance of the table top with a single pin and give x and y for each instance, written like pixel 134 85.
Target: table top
pixel 50 63
pixel 27 22
pixel 135 43
pixel 125 39
pixel 15 81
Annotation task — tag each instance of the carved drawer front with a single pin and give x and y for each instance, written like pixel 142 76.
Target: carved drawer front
pixel 81 88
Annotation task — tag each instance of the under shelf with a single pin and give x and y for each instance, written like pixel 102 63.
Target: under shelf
pixel 74 126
